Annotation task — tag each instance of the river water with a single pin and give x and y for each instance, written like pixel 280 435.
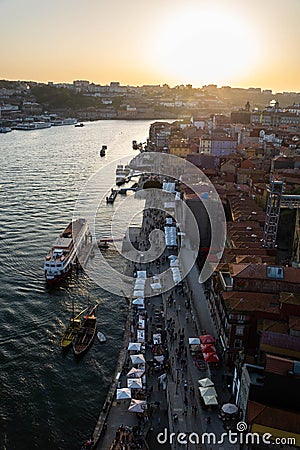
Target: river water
pixel 49 400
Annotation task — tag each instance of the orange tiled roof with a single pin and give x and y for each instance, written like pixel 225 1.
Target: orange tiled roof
pixel 273 417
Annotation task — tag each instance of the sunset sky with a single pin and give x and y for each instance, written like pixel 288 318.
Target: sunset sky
pixel 226 42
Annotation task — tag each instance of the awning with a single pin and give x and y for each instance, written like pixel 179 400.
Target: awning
pixel 137 359
pixel 135 373
pixel 205 382
pixel 207 339
pixel 141 336
pixel 141 324
pixel 137 406
pixel 123 393
pixel 210 357
pixel 135 383
pixel 138 301
pixel 157 338
pixel 208 348
pixel 141 274
pixel 139 293
pixel 139 284
pixel 155 286
pixel 210 400
pixel 134 346
pixel 208 391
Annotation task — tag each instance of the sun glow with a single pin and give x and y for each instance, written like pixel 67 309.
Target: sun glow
pixel 205 46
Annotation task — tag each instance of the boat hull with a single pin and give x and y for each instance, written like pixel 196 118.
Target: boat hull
pixel 86 335
pixel 101 337
pixel 63 254
pixel 58 278
pixel 81 349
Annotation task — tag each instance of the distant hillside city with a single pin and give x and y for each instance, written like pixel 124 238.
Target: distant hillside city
pixel 23 100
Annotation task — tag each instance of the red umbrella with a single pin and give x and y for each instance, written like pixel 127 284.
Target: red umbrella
pixel 207 339
pixel 208 348
pixel 211 357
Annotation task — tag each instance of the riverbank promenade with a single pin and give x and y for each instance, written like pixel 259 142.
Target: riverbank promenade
pixel 175 415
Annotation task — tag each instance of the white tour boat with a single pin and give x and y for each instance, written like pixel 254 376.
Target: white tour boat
pixel 58 263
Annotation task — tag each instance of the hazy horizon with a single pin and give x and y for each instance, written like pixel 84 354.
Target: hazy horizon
pixel 274 91
pixel 223 42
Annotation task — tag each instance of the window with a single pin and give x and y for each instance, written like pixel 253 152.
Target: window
pixel 241 318
pixel 275 272
pixel 239 331
pixel 238 343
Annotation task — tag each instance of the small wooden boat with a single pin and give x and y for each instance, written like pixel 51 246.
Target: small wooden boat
pixel 87 332
pixel 79 125
pixel 103 243
pixel 72 330
pixel 101 337
pixel 112 196
pixel 103 150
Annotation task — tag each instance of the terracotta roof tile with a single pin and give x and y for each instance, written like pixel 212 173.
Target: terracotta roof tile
pixel 273 417
pixel 278 365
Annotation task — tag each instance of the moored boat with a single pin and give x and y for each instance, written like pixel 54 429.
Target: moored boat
pixel 120 174
pixel 87 332
pixel 103 243
pixel 58 263
pixel 103 150
pixel 112 196
pixel 28 126
pixel 5 129
pixel 72 330
pixel 101 337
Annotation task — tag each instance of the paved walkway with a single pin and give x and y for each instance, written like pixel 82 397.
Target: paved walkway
pixel 178 407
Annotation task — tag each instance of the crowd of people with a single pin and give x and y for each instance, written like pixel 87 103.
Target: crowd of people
pixel 127 438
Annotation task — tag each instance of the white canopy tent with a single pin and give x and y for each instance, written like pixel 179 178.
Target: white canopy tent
pixel 157 338
pixel 138 301
pixel 138 293
pixel 141 274
pixel 155 286
pixel 170 236
pixel 137 406
pixel 141 336
pixel 169 187
pixel 210 400
pixel 137 359
pixel 194 341
pixel 208 391
pixel 134 346
pixel 205 382
pixel 135 373
pixel 123 393
pixel 135 383
pixel 176 274
pixel 139 283
pixel 169 205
